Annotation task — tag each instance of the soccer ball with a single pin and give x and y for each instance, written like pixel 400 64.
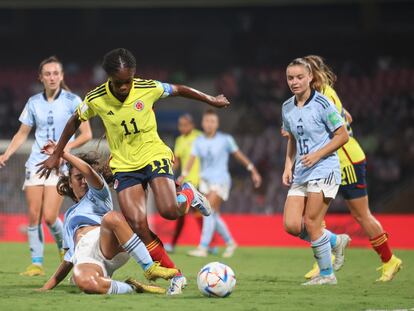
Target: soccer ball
pixel 216 279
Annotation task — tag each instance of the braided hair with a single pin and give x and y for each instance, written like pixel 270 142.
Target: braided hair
pixel 118 59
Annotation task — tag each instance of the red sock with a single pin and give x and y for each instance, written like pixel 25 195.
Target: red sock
pixel 189 195
pixel 380 244
pixel 158 253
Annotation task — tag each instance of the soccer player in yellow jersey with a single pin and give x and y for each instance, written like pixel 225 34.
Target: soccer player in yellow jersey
pixel 182 152
pixel 138 156
pixel 353 168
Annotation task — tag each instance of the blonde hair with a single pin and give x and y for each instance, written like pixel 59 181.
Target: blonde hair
pixel 322 73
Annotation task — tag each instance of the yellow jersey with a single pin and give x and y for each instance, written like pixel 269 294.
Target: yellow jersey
pixel 182 150
pixel 350 153
pixel 130 126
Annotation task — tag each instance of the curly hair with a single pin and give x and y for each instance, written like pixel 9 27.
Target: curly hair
pixel 93 159
pixel 322 73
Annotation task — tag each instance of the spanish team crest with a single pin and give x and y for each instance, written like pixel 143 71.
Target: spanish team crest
pixel 139 105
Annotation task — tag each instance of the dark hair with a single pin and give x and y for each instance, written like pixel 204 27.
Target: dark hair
pixel 188 117
pixel 93 159
pixel 53 59
pixel 210 111
pixel 117 59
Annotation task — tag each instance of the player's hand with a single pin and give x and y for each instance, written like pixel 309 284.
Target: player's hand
pixel 46 166
pixel 256 178
pixel 180 179
pixel 310 159
pixel 220 101
pixel 49 148
pixel 3 160
pixel 287 178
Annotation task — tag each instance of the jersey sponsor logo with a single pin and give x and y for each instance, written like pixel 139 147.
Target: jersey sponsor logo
pixel 110 113
pixel 139 105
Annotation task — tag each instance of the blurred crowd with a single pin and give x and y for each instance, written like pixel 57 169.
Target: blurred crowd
pixel 379 96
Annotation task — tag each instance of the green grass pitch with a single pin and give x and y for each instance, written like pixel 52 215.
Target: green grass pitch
pixel 267 279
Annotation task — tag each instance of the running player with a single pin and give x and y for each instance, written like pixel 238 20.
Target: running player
pixel 213 149
pixel 182 150
pixel 48 112
pixel 138 155
pixel 312 169
pixel 97 239
pixel 353 167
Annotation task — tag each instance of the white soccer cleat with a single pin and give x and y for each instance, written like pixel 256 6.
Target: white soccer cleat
pixel 322 280
pixel 199 202
pixel 229 251
pixel 178 283
pixel 342 241
pixel 198 252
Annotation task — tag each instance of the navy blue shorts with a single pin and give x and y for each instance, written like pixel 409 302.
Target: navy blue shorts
pixel 354 184
pixel 143 176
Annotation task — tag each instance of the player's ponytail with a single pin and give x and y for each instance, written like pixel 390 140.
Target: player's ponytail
pixel 53 59
pixel 322 73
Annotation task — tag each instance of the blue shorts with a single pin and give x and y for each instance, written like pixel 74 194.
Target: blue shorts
pixel 354 184
pixel 143 176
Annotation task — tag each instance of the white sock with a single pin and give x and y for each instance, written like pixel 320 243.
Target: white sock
pixel 118 288
pixel 138 251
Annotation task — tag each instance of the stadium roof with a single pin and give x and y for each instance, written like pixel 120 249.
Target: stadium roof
pixel 27 4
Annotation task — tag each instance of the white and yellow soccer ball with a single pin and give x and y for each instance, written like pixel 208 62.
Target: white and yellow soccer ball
pixel 216 279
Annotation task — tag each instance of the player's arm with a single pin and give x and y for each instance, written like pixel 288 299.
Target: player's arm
pixel 289 160
pixel 348 116
pixel 219 101
pixel 53 161
pixel 61 272
pixel 177 163
pixel 186 170
pixel 18 139
pixel 92 177
pixel 85 135
pixel 242 158
pixel 339 138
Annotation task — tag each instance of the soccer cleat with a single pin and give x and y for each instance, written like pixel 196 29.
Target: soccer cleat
pixel 338 251
pixel 178 283
pixel 322 280
pixel 145 288
pixel 156 271
pixel 315 270
pixel 198 252
pixel 34 270
pixel 61 254
pixel 213 250
pixel 390 269
pixel 229 251
pixel 199 202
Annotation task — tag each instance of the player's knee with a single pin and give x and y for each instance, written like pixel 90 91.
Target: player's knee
pixel 112 219
pixel 169 212
pixel 88 284
pixel 293 228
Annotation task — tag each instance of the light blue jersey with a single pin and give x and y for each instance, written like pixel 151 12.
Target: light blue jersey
pixel 312 126
pixel 214 157
pixel 50 120
pixel 87 212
